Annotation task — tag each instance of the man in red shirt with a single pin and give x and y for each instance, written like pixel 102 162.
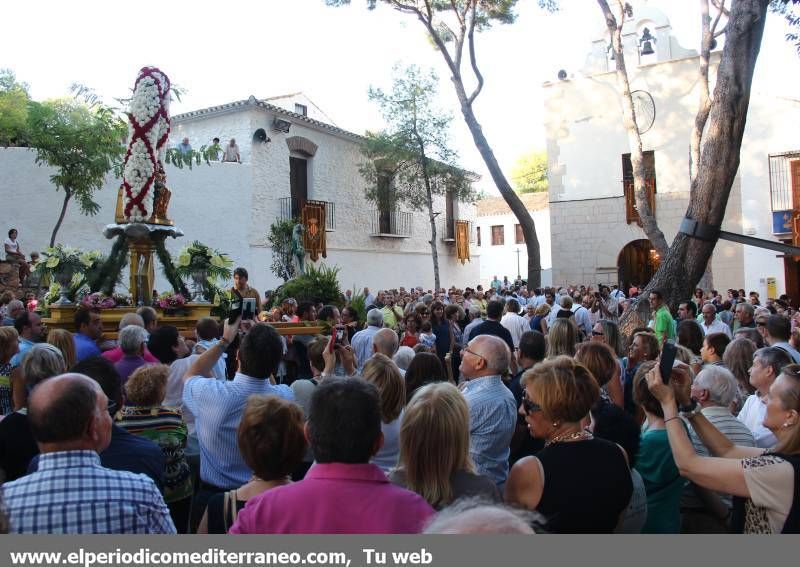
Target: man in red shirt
pixel 342 493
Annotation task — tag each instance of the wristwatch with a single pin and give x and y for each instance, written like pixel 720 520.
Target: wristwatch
pixel 689 410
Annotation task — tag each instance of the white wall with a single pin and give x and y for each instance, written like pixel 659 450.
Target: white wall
pixel 231 206
pixel 501 260
pixel 586 139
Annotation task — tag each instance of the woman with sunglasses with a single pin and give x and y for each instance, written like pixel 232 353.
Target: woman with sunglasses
pixel 588 482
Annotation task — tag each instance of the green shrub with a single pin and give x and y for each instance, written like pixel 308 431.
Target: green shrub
pixel 318 284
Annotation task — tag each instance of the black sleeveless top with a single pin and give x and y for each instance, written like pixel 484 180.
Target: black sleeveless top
pixel 587 485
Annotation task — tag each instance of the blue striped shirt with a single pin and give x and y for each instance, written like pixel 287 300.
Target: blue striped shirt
pixel 71 493
pixel 217 407
pixel 362 345
pixel 492 419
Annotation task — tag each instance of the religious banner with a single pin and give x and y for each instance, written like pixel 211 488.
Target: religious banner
pixel 313 218
pixel 462 240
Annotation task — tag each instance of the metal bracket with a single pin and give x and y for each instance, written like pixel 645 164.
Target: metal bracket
pixel 696 229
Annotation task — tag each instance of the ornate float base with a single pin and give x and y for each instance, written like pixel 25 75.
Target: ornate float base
pixel 63 317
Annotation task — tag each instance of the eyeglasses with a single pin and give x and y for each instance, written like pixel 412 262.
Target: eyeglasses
pixel 528 405
pixel 760 324
pixel 598 334
pixel 475 353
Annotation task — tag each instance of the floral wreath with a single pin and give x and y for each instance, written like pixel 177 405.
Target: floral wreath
pixel 148 132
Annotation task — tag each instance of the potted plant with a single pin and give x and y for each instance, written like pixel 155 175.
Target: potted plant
pixel 66 266
pixel 204 266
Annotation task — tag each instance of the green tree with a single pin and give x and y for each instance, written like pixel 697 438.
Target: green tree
pixel 14 101
pixel 452 27
pixel 529 174
pixel 411 162
pixel 82 143
pixel 280 239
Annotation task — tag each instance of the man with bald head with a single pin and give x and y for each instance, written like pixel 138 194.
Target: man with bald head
pixel 492 409
pixel 71 493
pixel 386 342
pixel 116 354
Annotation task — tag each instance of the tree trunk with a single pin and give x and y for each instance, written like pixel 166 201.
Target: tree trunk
pixel 514 202
pixel 686 261
pixel 434 250
pixel 454 64
pixel 648 219
pixel 67 197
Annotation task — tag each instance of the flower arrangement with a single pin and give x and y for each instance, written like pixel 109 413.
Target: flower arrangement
pixel 199 256
pixel 122 300
pixel 97 300
pixel 171 301
pixel 148 132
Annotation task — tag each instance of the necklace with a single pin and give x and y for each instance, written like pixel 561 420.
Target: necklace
pixel 581 435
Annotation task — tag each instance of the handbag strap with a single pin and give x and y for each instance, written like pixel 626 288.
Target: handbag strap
pixel 229 511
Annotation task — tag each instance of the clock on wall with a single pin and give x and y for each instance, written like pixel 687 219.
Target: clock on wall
pixel 645 109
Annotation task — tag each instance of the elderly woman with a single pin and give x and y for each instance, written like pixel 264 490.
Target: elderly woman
pixel 558 396
pixel 272 443
pixel 144 415
pixel 434 448
pixel 562 338
pixel 662 481
pixel 17 445
pixel 764 481
pixel 132 341
pixel 383 372
pixel 9 346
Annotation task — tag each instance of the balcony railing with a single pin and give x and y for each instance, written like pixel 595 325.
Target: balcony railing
pixel 446 231
pixel 784 180
pixel 293 209
pixel 391 224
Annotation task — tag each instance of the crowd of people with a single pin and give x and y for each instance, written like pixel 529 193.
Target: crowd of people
pixel 439 411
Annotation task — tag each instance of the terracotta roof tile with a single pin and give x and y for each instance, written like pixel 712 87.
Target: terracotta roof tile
pixel 495 206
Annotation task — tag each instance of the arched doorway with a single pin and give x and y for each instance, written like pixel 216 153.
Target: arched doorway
pixel 637 263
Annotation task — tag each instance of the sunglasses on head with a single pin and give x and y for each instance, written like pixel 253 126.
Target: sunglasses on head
pixel 528 405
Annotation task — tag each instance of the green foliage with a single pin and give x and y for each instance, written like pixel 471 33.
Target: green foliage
pixel 108 274
pixel 358 303
pixel 81 142
pixel 170 272
pixel 193 157
pixel 530 172
pixel 415 146
pixel 280 239
pixel 14 101
pixel 318 284
pixel 199 256
pixel 790 10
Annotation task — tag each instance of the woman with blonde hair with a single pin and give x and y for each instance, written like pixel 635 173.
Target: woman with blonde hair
pixel 764 482
pixel 9 346
pixel 434 448
pixel 383 372
pixel 63 341
pixel 539 320
pixel 579 483
pixel 562 338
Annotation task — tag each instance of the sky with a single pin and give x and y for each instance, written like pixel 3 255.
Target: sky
pixel 225 51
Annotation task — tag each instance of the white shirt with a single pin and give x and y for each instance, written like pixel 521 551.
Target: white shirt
pixel 716 327
pixel 12 244
pixel 752 415
pixel 516 325
pixel 583 318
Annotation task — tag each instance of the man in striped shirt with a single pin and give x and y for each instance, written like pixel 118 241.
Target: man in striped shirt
pixel 714 389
